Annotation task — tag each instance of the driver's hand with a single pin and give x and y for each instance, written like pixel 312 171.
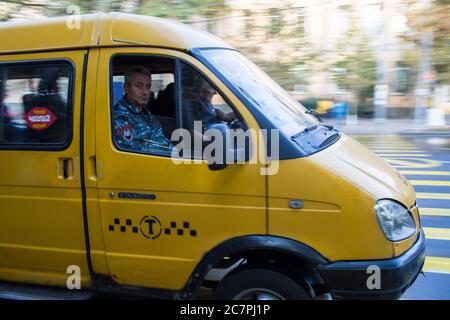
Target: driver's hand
pixel 230 117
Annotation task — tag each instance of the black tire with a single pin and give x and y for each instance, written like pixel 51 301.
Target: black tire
pixel 269 283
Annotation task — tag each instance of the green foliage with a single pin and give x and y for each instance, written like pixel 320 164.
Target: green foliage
pixel 181 9
pixel 276 21
pixel 294 56
pixel 436 21
pixel 441 52
pixel 59 7
pixel 355 58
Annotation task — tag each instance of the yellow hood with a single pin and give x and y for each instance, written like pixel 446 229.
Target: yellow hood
pixel 353 161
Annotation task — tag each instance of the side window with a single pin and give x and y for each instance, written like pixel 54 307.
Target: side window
pixel 35 105
pixel 203 107
pixel 145 111
pixel 143 103
pixel 202 102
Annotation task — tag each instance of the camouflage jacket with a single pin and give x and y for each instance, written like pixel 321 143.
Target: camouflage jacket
pixel 138 131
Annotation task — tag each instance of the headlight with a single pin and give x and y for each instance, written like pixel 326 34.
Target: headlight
pixel 395 220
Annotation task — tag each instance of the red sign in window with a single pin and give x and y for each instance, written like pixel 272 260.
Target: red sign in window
pixel 39 118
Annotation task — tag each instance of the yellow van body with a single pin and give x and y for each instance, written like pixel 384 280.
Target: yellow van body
pixel 82 204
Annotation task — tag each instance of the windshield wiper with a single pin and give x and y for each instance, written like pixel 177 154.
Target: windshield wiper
pixel 311 128
pixel 316 137
pixel 304 131
pixel 314 113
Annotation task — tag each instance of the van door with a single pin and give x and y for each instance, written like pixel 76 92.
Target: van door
pixel 159 218
pixel 41 218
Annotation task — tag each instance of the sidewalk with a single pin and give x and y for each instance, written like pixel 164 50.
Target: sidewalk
pixel 389 127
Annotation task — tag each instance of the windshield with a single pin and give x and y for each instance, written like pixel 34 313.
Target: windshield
pixel 275 103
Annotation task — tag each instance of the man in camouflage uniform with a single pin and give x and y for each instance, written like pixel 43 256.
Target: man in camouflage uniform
pixel 135 129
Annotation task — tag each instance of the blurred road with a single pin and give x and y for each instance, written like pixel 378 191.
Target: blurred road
pixel 425 161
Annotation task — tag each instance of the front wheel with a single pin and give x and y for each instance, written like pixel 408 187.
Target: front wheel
pixel 259 284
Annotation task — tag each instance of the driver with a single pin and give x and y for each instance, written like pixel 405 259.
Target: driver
pixel 200 107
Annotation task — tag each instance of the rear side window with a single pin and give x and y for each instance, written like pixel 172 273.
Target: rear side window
pixel 36 105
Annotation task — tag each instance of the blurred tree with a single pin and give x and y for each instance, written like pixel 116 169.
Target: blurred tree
pixel 60 7
pixel 291 56
pixel 181 9
pixel 279 46
pixel 305 58
pixel 407 63
pixel 354 66
pixel 439 23
pixel 436 20
pixel 276 21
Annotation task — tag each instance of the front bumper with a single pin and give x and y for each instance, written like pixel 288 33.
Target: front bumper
pixel 349 279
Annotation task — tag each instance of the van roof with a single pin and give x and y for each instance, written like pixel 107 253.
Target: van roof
pixel 99 30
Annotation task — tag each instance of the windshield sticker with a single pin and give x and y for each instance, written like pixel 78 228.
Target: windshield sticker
pixel 39 118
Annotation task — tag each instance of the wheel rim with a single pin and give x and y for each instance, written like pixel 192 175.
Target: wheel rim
pixel 258 294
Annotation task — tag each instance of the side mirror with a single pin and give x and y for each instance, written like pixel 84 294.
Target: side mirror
pixel 225 147
pixel 215 166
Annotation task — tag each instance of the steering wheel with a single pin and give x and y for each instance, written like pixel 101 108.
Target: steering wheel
pixel 234 124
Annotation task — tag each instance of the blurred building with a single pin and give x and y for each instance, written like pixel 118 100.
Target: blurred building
pixel 307 37
pixel 355 51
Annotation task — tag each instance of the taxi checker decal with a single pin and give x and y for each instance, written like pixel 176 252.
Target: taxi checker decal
pixel 39 118
pixel 151 227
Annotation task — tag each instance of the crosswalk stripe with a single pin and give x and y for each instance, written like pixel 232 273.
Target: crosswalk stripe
pixel 430 183
pixel 384 136
pixel 396 150
pixel 389 145
pixel 393 147
pixel 434 212
pixel 427 195
pixel 381 136
pixel 426 173
pixel 390 149
pixel 437 233
pixel 384 140
pixel 387 142
pixel 403 154
pixel 437 265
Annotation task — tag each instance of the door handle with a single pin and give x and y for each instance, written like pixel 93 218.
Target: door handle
pixel 65 165
pixel 92 168
pixel 65 168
